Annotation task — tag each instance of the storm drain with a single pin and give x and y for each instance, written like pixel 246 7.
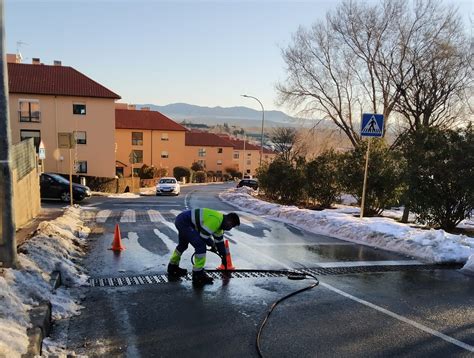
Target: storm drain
pixel 318 271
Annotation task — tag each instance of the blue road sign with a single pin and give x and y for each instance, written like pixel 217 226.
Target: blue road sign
pixel 372 125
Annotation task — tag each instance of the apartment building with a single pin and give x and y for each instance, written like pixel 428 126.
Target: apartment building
pixel 246 156
pixel 210 150
pixel 148 137
pixel 45 100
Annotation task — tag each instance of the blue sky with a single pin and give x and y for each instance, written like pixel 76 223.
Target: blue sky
pixel 199 52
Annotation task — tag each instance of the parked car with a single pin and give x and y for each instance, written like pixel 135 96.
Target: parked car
pixel 168 185
pixel 54 186
pixel 252 183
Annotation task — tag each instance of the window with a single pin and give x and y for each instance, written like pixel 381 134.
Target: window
pixel 249 154
pixel 219 162
pixel 81 167
pixel 79 108
pixel 236 155
pixel 202 152
pixel 136 171
pixel 219 150
pixel 202 162
pixel 81 137
pixel 249 162
pixel 164 136
pixel 138 155
pixel 164 154
pixel 137 138
pixel 119 172
pixel 29 110
pixel 36 135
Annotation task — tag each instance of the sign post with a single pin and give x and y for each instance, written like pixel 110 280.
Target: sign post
pixel 67 141
pixel 132 159
pixel 41 155
pixel 371 126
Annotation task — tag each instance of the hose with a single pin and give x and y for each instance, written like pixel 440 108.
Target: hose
pixel 292 275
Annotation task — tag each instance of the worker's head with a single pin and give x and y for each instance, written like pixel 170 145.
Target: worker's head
pixel 230 220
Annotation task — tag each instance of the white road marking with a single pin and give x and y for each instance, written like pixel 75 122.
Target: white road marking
pixel 128 216
pixel 102 216
pixel 170 244
pixel 186 199
pixel 401 318
pixel 155 216
pixel 369 263
pixel 175 212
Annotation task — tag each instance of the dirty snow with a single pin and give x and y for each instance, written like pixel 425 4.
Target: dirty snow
pixel 124 196
pixel 435 246
pixel 56 245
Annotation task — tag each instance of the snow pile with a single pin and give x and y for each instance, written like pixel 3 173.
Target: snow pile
pixel 56 245
pixel 124 196
pixel 435 246
pixel 148 191
pixel 469 266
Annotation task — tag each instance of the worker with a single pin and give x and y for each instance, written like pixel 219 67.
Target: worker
pixel 200 228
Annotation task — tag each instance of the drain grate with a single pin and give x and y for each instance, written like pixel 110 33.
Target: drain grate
pixel 317 271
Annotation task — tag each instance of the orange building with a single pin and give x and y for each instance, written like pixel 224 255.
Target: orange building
pixel 151 137
pixel 46 100
pixel 210 150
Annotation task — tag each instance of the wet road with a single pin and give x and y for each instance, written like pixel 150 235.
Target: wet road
pixel 414 312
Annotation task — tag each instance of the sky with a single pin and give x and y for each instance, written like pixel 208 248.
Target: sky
pixel 206 53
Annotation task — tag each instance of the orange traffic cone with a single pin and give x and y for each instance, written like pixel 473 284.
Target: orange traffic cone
pixel 117 244
pixel 230 266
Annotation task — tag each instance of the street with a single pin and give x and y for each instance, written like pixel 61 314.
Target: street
pixel 370 303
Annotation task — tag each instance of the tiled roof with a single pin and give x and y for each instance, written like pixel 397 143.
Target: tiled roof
pixel 205 139
pixel 136 119
pixel 54 80
pixel 239 145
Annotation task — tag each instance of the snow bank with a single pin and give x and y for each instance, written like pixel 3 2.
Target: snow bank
pixel 435 246
pixel 124 196
pixel 56 245
pixel 469 266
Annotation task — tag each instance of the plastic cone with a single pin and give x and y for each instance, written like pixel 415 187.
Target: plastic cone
pixel 117 244
pixel 230 266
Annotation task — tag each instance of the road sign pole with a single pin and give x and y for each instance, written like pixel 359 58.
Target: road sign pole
pixel 71 199
pixel 365 179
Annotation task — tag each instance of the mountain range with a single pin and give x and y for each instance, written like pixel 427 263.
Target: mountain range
pixel 241 116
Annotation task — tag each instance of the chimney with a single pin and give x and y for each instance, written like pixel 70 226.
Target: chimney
pixel 35 61
pixel 145 108
pixel 57 63
pixel 132 107
pixel 12 58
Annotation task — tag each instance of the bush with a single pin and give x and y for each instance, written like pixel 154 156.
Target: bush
pixel 146 172
pixel 322 182
pixel 197 167
pixel 440 176
pixel 384 179
pixel 282 181
pixel 234 173
pixel 179 172
pixel 200 176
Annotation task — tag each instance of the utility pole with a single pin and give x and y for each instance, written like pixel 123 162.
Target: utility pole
pixel 8 255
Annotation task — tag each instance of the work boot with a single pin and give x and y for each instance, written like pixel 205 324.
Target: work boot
pixel 176 271
pixel 200 278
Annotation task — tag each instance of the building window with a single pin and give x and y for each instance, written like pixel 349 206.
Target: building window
pixel 81 167
pixel 81 137
pixel 36 135
pixel 219 162
pixel 137 138
pixel 79 108
pixel 249 162
pixel 164 154
pixel 202 162
pixel 202 152
pixel 136 171
pixel 119 172
pixel 249 154
pixel 236 155
pixel 164 136
pixel 219 150
pixel 29 110
pixel 138 156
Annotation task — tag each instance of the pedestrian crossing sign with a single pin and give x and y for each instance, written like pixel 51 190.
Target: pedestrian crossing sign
pixel 372 125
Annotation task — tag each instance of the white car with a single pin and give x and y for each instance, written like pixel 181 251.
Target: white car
pixel 167 185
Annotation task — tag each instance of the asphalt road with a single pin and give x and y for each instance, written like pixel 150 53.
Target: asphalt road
pixel 370 303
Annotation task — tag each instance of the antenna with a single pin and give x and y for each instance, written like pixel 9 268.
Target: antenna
pixel 19 57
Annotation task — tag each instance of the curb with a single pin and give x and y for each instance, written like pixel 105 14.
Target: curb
pixel 41 321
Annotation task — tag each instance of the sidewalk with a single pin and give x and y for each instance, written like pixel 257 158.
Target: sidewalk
pixel 46 214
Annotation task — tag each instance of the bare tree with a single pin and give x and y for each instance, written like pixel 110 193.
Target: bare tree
pixel 288 143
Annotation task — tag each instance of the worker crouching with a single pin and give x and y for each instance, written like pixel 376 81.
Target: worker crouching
pixel 200 228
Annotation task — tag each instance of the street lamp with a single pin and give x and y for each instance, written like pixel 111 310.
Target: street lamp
pixel 263 120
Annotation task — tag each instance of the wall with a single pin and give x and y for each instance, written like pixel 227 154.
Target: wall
pixel 57 116
pixel 254 158
pixel 211 157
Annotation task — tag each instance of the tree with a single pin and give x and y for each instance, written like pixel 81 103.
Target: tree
pixel 196 166
pixel 287 143
pixel 200 176
pixel 440 175
pixel 385 176
pixel 180 172
pixel 233 172
pixel 322 182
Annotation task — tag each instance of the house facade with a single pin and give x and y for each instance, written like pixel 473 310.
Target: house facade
pixel 147 137
pixel 47 100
